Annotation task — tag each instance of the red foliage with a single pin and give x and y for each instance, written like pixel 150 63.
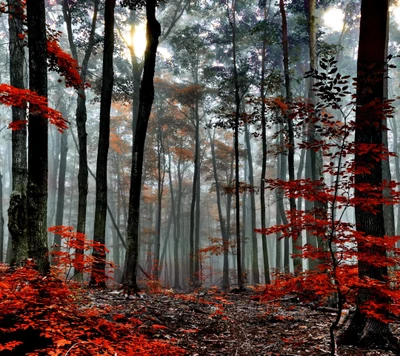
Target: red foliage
pixel 66 256
pixel 61 62
pixel 336 276
pixel 44 315
pixel 12 96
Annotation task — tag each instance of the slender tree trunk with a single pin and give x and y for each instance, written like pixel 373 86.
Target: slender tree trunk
pixel 264 156
pixel 296 237
pixel 223 227
pixel 61 187
pixel 314 158
pixel 194 218
pixel 54 163
pixel 160 189
pixel 37 138
pixel 81 116
pixel 146 101
pixel 232 22
pixel 137 68
pixel 254 242
pixel 98 273
pixel 17 210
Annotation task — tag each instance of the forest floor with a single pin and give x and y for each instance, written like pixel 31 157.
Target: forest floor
pixel 215 323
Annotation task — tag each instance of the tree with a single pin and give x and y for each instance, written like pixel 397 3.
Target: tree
pixel 17 211
pixel 98 273
pixel 37 139
pixel 81 112
pixel 365 329
pixel 153 31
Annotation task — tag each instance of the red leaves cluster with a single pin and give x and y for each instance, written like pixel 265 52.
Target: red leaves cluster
pixel 64 64
pixel 44 315
pixel 38 105
pixel 68 256
pixel 344 253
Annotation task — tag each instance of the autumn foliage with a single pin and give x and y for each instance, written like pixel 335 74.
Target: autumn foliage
pixel 336 279
pixel 46 315
pixel 12 96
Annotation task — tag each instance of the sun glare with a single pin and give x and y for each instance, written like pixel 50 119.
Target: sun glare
pixel 333 18
pixel 139 40
pixel 396 13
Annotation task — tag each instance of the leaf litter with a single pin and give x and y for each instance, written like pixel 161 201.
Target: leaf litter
pixel 228 323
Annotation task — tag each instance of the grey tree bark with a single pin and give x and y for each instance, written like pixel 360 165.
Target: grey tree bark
pixel 17 210
pixel 37 138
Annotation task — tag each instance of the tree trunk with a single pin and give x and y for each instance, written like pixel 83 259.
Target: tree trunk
pixel 365 330
pixel 17 210
pixel 264 156
pixel 254 242
pixel 81 115
pixel 160 190
pixel 98 272
pixel 146 102
pixel 232 22
pixel 194 217
pixel 296 237
pixel 61 187
pixel 223 227
pixel 37 138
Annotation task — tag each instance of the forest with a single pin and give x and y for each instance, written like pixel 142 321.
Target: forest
pixel 199 177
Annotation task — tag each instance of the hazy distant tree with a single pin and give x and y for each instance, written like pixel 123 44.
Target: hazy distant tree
pixel 59 213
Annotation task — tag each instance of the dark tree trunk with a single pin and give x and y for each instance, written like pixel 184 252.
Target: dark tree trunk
pixel 98 273
pixel 236 145
pixel 146 102
pixel 81 114
pixel 37 138
pixel 364 330
pixel 17 210
pixel 264 155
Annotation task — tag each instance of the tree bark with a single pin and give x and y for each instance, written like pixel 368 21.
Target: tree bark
pixel 37 138
pixel 17 210
pixel 146 102
pixel 98 272
pixel 365 330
